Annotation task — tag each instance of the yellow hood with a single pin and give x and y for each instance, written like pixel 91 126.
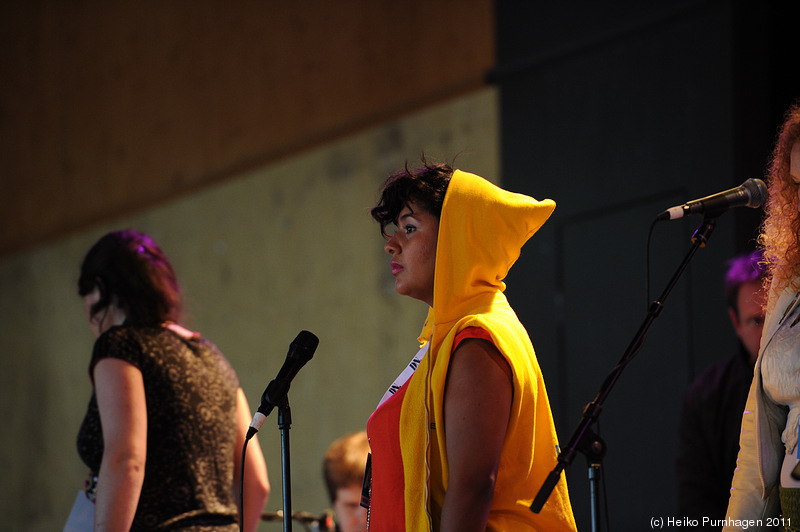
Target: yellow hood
pixel 481 232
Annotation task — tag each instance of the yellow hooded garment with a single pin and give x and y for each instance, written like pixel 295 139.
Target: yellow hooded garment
pixel 481 232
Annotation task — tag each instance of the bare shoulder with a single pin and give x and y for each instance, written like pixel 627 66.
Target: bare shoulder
pixel 479 356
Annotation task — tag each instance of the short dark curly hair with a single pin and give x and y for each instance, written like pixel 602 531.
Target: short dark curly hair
pixel 425 186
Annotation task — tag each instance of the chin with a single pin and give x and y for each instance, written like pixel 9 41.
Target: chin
pixel 401 288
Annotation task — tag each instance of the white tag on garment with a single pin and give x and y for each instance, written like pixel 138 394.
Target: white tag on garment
pixel 81 518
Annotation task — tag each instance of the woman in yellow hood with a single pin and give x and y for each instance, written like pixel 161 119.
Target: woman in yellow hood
pixel 464 438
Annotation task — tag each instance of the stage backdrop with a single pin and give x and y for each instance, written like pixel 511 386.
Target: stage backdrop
pixel 618 112
pixel 287 247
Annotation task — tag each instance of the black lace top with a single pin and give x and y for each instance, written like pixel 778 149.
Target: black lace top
pixel 190 389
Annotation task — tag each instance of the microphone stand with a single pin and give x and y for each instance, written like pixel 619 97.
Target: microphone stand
pixel 284 424
pixel 584 439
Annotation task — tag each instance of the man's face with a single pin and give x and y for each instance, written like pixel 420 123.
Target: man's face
pixel 750 320
pixel 350 515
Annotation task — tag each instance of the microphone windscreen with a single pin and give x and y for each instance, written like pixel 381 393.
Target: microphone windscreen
pixel 307 340
pixel 758 192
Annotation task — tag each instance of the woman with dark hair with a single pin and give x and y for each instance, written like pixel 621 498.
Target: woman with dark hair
pixel 766 481
pixel 464 438
pixel 165 426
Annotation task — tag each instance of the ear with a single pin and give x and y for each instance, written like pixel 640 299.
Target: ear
pixel 101 287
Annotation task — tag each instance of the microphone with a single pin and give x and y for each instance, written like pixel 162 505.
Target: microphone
pixel 300 351
pixel 752 193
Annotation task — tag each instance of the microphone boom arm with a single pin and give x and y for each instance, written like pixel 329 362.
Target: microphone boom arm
pixel 584 439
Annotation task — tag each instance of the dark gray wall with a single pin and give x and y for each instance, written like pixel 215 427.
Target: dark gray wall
pixel 618 112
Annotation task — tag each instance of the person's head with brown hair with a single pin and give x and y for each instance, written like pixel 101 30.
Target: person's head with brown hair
pixel 343 470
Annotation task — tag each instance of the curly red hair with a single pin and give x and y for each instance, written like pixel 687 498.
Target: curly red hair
pixel 780 233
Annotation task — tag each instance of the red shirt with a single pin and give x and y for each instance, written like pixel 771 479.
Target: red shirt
pixel 387 502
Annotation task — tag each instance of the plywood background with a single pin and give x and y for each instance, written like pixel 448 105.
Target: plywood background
pixel 109 107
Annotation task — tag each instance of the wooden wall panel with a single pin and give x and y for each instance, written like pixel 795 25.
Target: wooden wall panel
pixel 108 107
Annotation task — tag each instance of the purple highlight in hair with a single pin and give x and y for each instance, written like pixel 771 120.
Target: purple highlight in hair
pixel 742 269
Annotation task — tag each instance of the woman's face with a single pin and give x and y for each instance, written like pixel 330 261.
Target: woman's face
pixel 413 251
pixel 794 166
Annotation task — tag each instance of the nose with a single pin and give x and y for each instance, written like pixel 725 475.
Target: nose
pixel 391 246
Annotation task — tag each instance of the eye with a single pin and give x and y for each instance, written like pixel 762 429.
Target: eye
pixel 409 228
